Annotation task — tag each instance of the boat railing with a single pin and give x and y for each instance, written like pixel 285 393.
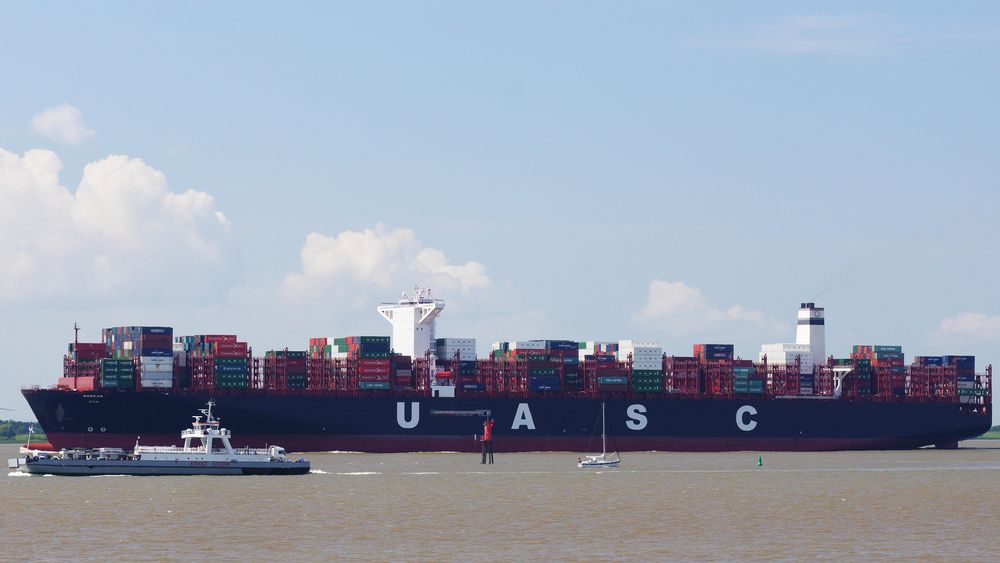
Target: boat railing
pixel 215 451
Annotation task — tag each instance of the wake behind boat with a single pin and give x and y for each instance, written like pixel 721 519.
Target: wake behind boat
pixel 201 454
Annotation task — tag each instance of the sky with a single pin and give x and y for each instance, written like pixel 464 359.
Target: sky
pixel 687 172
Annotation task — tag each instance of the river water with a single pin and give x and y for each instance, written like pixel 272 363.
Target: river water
pixel 935 504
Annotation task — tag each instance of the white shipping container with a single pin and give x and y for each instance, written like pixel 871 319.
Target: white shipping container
pixel 638 344
pixel 456 342
pixel 528 345
pixel 157 383
pixel 647 365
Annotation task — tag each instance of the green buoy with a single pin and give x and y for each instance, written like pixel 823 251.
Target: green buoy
pixel 760 461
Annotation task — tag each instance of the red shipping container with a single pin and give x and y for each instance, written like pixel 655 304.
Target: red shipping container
pixel 373 371
pixel 374 363
pixel 216 338
pixel 373 377
pixel 89 355
pixel 230 349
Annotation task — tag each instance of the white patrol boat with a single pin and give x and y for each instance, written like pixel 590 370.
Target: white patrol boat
pixel 206 451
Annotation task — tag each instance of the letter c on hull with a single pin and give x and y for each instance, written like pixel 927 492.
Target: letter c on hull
pixel 743 419
pixel 401 415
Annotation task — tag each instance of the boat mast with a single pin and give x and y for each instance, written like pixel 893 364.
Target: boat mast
pixel 604 446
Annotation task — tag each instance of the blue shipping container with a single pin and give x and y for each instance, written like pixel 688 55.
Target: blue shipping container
pixel 961 362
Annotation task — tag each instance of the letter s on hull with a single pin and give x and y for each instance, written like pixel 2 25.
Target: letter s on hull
pixel 401 415
pixel 637 420
pixel 743 419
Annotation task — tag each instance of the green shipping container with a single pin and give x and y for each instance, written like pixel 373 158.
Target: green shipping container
pixel 373 355
pixel 613 380
pixel 369 385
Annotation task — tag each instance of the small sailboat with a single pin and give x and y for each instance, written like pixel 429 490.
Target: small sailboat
pixel 605 459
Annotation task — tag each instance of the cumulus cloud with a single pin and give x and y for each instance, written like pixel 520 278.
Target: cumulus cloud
pixel 122 233
pixel 379 258
pixel 63 123
pixel 682 308
pixel 973 325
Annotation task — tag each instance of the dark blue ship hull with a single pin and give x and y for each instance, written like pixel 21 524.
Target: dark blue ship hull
pixel 404 424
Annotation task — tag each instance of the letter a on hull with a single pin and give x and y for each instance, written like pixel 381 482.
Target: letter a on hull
pixel 523 418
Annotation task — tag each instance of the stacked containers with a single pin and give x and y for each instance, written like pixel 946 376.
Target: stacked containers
pixel 594 348
pixel 545 360
pixel 787 354
pixel 746 379
pixel 713 351
pixel 564 357
pixel 321 347
pixel 542 375
pixel 967 387
pixel 285 369
pixel 372 354
pixel 82 364
pixel 716 368
pixel 647 364
pixel 117 373
pixel 603 356
pixel 402 371
pixel 152 345
pixel 887 361
pixel 228 358
pixel 86 352
pixel 465 371
pixel 447 348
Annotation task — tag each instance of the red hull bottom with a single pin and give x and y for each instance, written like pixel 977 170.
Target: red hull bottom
pixel 406 443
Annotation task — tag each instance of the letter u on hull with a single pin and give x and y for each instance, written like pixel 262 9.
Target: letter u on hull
pixel 414 418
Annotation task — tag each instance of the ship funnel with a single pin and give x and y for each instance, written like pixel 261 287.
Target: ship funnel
pixel 811 330
pixel 412 319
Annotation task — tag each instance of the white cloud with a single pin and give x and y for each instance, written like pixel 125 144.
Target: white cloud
pixel 973 325
pixel 63 123
pixel 843 34
pixel 121 233
pixel 681 308
pixel 353 262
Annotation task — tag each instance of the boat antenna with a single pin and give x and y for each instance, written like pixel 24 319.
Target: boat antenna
pixel 28 445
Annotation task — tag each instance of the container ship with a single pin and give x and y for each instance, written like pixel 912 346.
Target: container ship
pixel 415 392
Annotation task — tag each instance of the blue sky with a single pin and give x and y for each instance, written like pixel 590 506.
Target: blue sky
pixel 685 172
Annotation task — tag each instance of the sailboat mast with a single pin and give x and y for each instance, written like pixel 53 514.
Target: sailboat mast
pixel 604 433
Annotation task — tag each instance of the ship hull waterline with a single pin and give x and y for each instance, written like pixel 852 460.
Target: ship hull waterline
pixel 388 424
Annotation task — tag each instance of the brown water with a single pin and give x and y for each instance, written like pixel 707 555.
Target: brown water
pixel 447 507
